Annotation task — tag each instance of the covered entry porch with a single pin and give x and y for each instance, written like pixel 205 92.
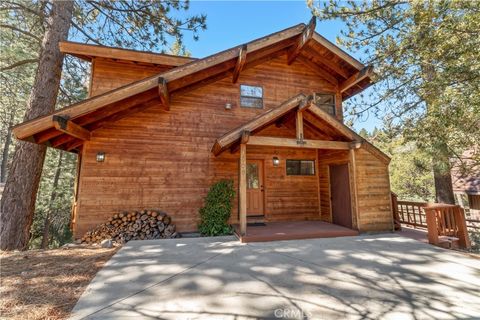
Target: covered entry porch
pixel 296 173
pixel 292 230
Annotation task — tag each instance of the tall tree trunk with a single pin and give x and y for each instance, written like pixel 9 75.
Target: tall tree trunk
pixel 442 176
pixel 18 202
pixel 53 196
pixel 6 151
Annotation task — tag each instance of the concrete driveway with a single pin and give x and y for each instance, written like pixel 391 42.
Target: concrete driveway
pixel 366 277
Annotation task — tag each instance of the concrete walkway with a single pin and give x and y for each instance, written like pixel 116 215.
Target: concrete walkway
pixel 364 277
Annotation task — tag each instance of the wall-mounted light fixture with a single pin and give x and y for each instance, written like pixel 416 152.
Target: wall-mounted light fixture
pixel 276 161
pixel 100 156
pixel 228 106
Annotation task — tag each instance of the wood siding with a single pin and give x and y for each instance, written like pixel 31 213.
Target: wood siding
pixel 108 74
pixel 373 191
pixel 160 159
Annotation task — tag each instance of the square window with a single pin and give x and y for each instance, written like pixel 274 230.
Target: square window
pixel 251 96
pixel 300 167
pixel 325 102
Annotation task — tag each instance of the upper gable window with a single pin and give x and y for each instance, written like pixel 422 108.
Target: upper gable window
pixel 251 96
pixel 326 102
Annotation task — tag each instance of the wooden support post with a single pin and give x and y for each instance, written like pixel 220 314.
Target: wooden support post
pixel 299 127
pixel 353 188
pixel 163 93
pixel 306 35
pixel 463 239
pixel 245 137
pixel 242 189
pixel 72 129
pixel 242 57
pixel 431 226
pixel 292 143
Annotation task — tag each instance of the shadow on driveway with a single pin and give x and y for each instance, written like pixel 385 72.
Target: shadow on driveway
pixel 365 277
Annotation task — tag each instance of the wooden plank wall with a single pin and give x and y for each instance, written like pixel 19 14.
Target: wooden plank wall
pixel 373 190
pixel 109 74
pixel 160 159
pixel 325 159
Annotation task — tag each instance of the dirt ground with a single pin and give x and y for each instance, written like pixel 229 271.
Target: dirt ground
pixel 46 284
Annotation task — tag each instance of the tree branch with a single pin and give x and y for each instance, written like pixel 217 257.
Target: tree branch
pixel 27 33
pixel 18 64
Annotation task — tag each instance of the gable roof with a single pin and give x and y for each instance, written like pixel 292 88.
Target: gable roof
pixel 299 101
pixel 88 52
pixel 96 109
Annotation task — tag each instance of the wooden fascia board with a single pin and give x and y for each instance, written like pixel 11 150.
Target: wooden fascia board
pixel 302 40
pixel 339 52
pixel 68 127
pixel 268 117
pixel 356 78
pixel 242 57
pixel 294 143
pixel 87 51
pixel 27 129
pixel 349 133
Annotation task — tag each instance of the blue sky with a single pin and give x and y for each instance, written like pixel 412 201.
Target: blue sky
pixel 230 23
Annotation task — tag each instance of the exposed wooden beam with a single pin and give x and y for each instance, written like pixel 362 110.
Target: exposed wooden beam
pixel 242 57
pixel 70 128
pixel 73 145
pixel 299 126
pixel 319 70
pixel 302 40
pixel 245 137
pixel 325 61
pixel 267 118
pixel 163 93
pixel 305 104
pixel 286 142
pixel 336 50
pixel 356 78
pixel 242 189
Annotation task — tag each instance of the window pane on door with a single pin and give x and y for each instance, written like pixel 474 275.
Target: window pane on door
pixel 252 176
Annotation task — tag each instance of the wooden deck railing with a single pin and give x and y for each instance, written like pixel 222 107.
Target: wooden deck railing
pixel 444 222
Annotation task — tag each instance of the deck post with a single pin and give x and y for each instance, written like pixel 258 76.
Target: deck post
pixel 353 186
pixel 242 189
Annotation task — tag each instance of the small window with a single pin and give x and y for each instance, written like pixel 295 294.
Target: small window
pixel 251 96
pixel 300 167
pixel 326 102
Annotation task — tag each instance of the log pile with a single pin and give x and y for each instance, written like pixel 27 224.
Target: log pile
pixel 133 225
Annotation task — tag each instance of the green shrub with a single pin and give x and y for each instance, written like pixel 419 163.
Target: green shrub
pixel 218 206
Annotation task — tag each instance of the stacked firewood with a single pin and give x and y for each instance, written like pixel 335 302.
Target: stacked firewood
pixel 133 225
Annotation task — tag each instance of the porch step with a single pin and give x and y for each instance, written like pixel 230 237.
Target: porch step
pixel 256 219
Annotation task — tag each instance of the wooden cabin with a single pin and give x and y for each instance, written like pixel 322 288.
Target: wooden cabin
pixel 158 130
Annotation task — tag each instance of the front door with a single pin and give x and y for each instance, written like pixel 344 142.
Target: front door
pixel 255 188
pixel 340 195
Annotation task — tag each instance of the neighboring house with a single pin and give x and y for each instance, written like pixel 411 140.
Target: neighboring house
pixel 466 182
pixel 159 130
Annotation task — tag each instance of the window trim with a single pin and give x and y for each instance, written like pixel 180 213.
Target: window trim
pixel 334 101
pixel 300 174
pixel 251 97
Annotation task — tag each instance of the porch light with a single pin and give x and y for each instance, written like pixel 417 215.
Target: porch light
pixel 100 156
pixel 276 161
pixel 228 106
